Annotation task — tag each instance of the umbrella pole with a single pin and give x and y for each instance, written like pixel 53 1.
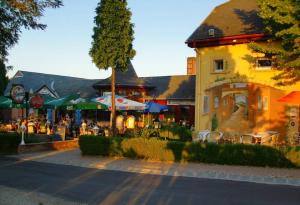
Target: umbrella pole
pixel 96 115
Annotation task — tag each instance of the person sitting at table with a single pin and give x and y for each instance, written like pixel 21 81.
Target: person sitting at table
pixel 84 127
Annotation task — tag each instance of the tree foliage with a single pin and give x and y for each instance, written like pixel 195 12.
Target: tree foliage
pixel 17 14
pixel 3 77
pixel 112 42
pixel 282 25
pixel 113 35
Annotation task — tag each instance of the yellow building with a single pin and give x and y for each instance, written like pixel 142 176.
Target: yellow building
pixel 234 84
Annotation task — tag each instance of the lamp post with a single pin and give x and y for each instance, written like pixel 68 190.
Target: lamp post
pixel 23 129
pixel 26 111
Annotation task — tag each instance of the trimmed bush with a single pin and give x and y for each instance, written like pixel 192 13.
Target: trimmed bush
pixel 292 154
pixel 175 132
pixel 9 143
pixel 156 149
pixel 94 145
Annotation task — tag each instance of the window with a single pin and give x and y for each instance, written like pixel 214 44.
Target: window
pixel 262 103
pixel 259 103
pixel 205 104
pixel 225 102
pixel 216 102
pixel 263 64
pixel 219 65
pixel 265 103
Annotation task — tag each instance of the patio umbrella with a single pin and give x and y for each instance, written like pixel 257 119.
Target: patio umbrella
pixel 153 107
pixel 56 103
pixel 7 103
pixel 293 98
pixel 83 104
pixel 121 103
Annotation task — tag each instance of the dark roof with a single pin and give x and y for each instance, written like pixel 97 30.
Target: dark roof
pixel 127 78
pixel 58 85
pixel 172 87
pixel 164 87
pixel 235 17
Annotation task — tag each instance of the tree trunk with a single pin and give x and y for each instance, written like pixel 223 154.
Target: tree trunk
pixel 113 102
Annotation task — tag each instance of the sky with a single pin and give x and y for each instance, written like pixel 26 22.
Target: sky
pixel 161 29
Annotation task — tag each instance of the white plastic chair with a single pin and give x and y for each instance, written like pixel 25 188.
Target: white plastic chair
pixel 203 135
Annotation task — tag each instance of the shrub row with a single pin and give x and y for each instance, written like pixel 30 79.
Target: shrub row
pixel 9 143
pixel 155 149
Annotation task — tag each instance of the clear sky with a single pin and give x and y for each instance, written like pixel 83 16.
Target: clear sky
pixel 161 28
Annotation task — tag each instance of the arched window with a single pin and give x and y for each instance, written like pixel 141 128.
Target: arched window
pixel 216 102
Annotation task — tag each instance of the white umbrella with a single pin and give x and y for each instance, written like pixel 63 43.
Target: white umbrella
pixel 121 103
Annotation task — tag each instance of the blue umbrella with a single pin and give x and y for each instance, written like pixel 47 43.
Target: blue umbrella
pixel 153 107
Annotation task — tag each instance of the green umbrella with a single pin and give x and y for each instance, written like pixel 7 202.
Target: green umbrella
pixel 7 103
pixel 83 104
pixel 56 103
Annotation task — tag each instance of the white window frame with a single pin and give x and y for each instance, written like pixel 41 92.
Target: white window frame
pixel 262 68
pixel 259 103
pixel 215 64
pixel 216 102
pixel 205 106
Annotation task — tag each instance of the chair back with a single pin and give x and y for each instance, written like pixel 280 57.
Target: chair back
pixel 203 135
pixel 246 139
pixel 214 137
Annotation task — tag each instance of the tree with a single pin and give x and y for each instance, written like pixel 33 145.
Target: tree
pixel 282 25
pixel 15 15
pixel 3 77
pixel 112 42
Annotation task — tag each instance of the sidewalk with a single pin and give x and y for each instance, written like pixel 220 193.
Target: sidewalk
pixel 225 172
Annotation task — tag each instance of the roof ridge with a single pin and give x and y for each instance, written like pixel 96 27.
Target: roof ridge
pixel 23 71
pixel 166 76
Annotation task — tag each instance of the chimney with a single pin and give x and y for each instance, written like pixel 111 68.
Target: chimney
pixel 191 66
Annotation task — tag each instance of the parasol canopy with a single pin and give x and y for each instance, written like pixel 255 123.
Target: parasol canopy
pixel 153 107
pixel 56 103
pixel 292 97
pixel 121 103
pixel 83 104
pixel 7 103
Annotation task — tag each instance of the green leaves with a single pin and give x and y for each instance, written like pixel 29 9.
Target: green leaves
pixel 15 14
pixel 282 25
pixel 113 35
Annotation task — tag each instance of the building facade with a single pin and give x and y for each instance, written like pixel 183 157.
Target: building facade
pixel 178 92
pixel 233 83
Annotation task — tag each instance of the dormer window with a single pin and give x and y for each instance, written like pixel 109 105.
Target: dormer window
pixel 219 65
pixel 263 64
pixel 211 32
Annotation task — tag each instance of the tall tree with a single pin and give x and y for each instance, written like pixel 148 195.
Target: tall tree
pixel 3 77
pixel 282 24
pixel 112 42
pixel 15 15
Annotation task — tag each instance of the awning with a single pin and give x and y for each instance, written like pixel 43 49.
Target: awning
pixel 293 98
pixel 7 103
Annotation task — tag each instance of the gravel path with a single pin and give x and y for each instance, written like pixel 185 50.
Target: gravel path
pixel 29 198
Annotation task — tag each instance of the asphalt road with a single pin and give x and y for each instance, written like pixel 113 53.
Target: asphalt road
pixel 94 186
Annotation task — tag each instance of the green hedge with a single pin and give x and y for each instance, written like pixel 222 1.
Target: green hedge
pixel 9 143
pixel 155 149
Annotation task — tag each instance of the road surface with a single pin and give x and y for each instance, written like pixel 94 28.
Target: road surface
pixel 93 186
